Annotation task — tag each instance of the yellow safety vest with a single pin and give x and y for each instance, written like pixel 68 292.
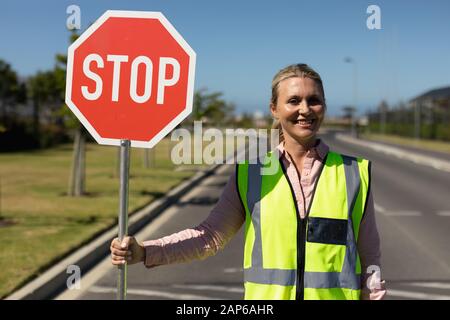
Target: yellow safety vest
pixel 286 257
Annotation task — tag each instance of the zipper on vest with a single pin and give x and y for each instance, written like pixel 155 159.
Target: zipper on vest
pixel 301 243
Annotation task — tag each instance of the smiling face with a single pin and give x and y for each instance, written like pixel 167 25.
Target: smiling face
pixel 300 108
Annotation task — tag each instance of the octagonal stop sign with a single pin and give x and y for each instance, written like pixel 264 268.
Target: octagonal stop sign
pixel 130 76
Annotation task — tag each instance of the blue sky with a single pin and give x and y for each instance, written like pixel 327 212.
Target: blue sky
pixel 240 45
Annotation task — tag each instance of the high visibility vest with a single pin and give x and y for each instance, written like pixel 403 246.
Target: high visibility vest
pixel 287 257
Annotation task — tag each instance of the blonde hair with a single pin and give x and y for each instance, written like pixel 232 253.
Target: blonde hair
pixel 294 70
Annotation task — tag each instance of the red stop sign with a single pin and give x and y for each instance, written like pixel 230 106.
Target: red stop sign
pixel 130 76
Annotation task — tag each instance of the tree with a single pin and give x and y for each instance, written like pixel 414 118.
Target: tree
pixel 12 91
pixel 383 108
pixel 211 108
pixel 77 181
pixel 41 91
pixel 78 171
pixel 245 121
pixel 349 114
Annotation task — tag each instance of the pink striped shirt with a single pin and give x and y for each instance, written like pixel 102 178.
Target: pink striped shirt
pixel 228 215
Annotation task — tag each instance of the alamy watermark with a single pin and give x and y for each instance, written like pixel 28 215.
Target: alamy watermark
pixel 73 281
pixel 374 280
pixel 226 146
pixel 374 20
pixel 73 21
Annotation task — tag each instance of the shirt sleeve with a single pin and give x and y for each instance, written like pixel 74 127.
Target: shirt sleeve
pixel 372 288
pixel 204 240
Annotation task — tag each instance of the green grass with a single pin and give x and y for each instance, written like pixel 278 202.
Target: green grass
pixel 433 145
pixel 47 224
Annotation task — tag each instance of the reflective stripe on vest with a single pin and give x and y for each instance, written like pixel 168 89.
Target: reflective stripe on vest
pixel 329 270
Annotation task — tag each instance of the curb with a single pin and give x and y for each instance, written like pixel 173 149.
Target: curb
pixel 53 281
pixel 438 164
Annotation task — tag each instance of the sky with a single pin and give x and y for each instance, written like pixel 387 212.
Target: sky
pixel 240 45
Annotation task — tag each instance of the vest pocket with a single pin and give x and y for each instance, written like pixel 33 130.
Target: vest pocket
pixel 327 230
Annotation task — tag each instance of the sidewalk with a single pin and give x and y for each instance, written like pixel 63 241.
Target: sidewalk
pixel 415 149
pixel 424 157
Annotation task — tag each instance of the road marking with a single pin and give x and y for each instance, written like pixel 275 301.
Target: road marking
pixel 209 287
pixel 398 213
pixel 435 285
pixel 406 213
pixel 425 250
pixel 403 213
pixel 153 293
pixel 232 270
pixel 416 295
pixel 379 208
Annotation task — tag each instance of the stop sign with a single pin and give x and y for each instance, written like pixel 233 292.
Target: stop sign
pixel 130 76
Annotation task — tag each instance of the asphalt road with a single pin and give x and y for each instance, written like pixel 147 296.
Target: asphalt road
pixel 413 218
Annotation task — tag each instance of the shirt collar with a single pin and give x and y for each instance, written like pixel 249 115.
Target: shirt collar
pixel 319 151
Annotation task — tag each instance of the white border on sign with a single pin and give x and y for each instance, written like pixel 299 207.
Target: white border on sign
pixel 191 76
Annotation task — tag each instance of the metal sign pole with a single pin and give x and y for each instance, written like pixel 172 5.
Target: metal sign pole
pixel 123 213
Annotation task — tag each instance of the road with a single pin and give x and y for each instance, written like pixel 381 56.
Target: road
pixel 413 217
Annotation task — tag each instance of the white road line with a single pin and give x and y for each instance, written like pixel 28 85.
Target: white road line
pixel 380 208
pixel 232 270
pixel 413 239
pixel 406 213
pixel 398 213
pixel 209 287
pixel 416 295
pixel 403 213
pixel 435 285
pixel 154 293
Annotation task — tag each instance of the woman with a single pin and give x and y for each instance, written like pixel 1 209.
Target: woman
pixel 305 237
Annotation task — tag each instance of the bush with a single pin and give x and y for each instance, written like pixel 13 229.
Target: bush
pixel 20 136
